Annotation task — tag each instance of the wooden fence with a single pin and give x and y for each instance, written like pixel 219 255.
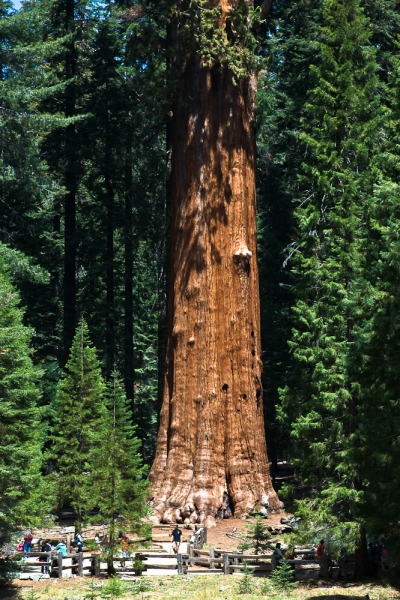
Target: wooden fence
pixel 217 561
pixel 206 561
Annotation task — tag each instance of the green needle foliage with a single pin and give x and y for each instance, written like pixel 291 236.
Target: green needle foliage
pixel 377 451
pixel 93 590
pixel 79 417
pixel 340 134
pixel 120 477
pixel 257 537
pixel 21 434
pixel 114 588
pixel 282 577
pixel 245 584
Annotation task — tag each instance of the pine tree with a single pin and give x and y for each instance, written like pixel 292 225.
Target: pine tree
pixel 289 46
pixel 79 418
pixel 377 450
pixel 27 187
pixel 257 537
pixel 340 134
pixel 21 435
pixel 120 475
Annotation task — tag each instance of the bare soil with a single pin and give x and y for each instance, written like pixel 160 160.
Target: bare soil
pixel 222 537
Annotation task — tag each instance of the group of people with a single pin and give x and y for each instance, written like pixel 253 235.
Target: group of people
pixel 378 552
pixel 25 545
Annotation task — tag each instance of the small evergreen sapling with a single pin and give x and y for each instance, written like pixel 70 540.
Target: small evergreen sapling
pixel 257 537
pixel 245 584
pixel 114 588
pixel 282 577
pixel 93 591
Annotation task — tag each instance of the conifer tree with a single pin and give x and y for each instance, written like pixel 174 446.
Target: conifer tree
pixel 377 450
pixel 120 477
pixel 289 46
pixel 340 132
pixel 21 435
pixel 79 419
pixel 257 537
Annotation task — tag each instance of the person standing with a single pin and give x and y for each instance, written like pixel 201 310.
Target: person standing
pixel 61 547
pixel 46 547
pixel 322 559
pixel 277 556
pixel 124 548
pixel 78 539
pixel 28 537
pixel 176 535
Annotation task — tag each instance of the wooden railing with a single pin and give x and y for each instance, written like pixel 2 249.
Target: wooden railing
pixel 212 560
pixel 229 562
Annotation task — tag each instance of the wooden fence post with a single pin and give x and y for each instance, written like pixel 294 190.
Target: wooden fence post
pixel 180 564
pixel 97 565
pixel 226 564
pixel 60 564
pixel 191 551
pixel 80 564
pixel 212 555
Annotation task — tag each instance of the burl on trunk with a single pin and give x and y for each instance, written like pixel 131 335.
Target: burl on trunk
pixel 211 453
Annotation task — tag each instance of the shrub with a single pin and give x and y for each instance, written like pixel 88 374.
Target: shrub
pixel 282 577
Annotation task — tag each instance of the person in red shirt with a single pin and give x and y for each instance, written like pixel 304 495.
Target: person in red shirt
pixel 28 537
pixel 321 549
pixel 322 559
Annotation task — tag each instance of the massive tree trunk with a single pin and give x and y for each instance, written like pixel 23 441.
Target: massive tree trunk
pixel 211 453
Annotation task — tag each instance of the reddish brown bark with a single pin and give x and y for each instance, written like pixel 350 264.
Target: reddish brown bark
pixel 211 442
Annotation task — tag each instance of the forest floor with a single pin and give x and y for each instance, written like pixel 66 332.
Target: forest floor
pixel 201 587
pixel 218 537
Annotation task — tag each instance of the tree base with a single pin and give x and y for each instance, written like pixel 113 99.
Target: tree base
pixel 192 512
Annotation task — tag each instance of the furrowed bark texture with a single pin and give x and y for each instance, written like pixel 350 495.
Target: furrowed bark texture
pixel 211 452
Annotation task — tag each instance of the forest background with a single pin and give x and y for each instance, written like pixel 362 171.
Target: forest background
pixel 85 93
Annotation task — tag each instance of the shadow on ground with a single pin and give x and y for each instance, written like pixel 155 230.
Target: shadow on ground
pixel 10 592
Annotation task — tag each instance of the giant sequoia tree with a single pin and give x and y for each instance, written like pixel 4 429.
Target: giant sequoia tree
pixel 211 453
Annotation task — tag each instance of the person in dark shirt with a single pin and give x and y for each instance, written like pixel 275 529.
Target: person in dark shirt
pixel 176 535
pixel 78 539
pixel 46 547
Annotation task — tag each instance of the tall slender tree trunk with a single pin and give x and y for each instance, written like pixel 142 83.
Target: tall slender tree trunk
pixel 70 184
pixel 362 566
pixel 165 245
pixel 211 448
pixel 109 191
pixel 128 266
